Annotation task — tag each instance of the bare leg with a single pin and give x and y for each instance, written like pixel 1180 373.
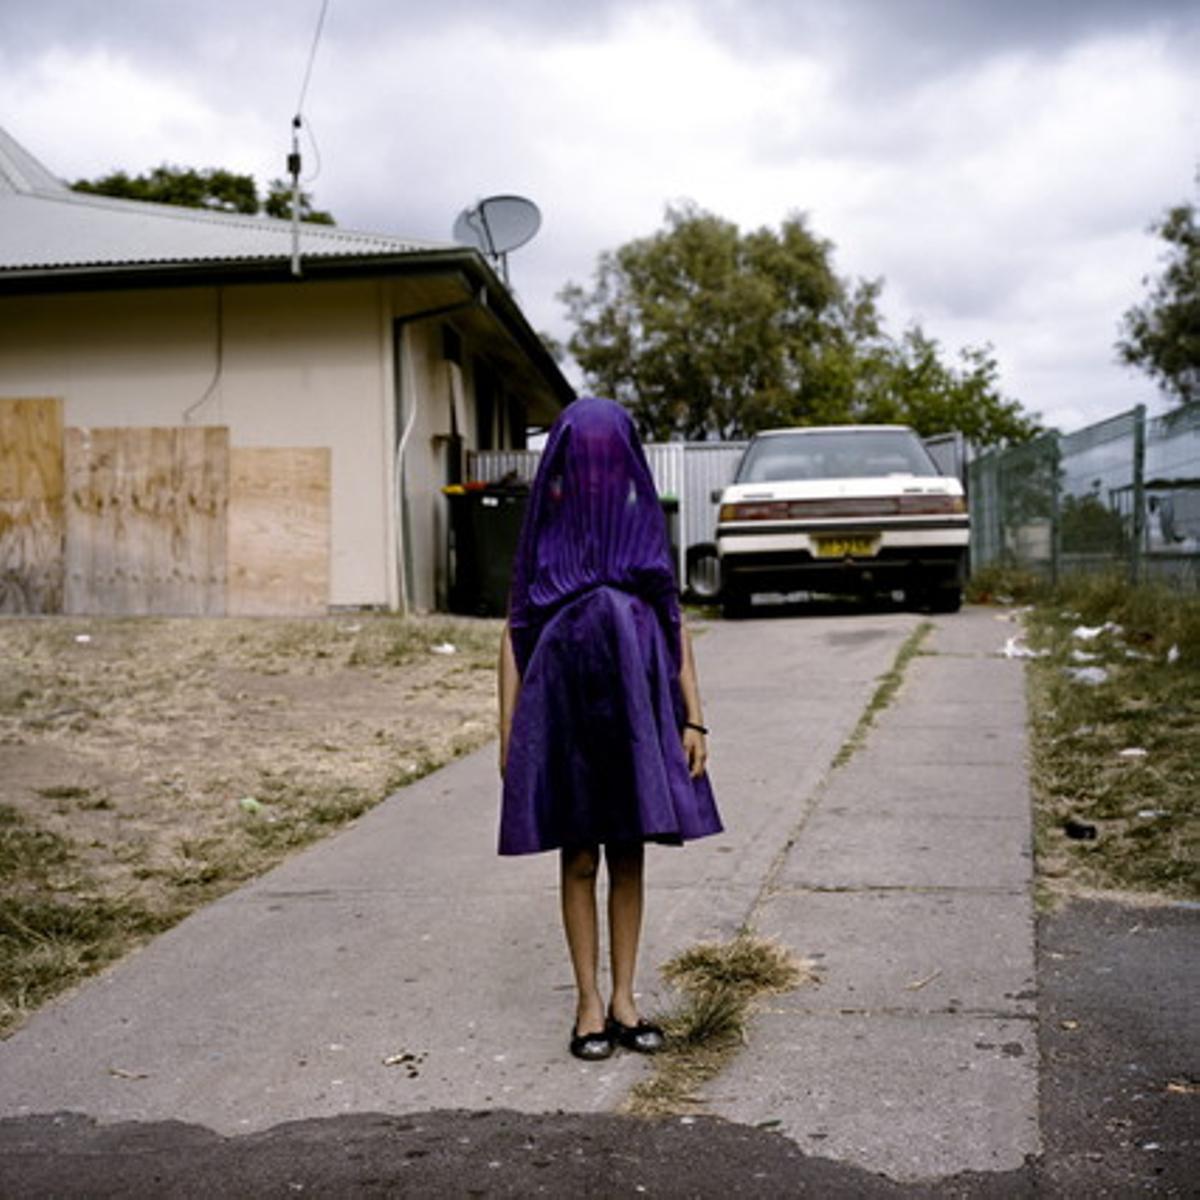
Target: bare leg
pixel 625 863
pixel 578 890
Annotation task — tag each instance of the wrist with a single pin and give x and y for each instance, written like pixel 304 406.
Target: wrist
pixel 697 726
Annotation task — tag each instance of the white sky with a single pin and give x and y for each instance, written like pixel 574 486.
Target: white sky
pixel 997 162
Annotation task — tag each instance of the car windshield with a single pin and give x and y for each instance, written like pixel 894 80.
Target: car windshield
pixel 835 454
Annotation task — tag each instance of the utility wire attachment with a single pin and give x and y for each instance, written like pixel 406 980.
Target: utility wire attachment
pixel 293 166
pixel 293 160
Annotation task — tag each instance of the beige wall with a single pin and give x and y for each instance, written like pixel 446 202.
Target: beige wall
pixel 307 364
pixel 301 366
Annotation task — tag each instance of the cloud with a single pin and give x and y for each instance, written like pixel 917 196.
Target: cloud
pixel 997 164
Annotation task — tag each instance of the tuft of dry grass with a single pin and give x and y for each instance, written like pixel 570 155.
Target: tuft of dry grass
pixel 719 984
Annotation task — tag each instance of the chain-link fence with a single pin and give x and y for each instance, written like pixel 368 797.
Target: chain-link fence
pixel 1123 494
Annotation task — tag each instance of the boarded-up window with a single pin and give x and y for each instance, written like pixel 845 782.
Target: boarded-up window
pixel 146 520
pixel 31 505
pixel 279 533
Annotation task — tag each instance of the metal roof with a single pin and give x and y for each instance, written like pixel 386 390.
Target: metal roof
pixel 46 226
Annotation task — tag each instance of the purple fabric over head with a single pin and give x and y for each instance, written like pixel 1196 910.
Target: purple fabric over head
pixel 593 518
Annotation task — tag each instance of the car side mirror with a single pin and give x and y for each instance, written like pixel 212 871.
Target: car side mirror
pixel 716 494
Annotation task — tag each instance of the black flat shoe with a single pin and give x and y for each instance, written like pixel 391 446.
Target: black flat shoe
pixel 591 1047
pixel 645 1037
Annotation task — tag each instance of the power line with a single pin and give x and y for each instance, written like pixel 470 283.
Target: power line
pixel 293 162
pixel 312 56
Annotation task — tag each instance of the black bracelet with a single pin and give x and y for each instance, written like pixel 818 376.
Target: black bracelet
pixel 698 728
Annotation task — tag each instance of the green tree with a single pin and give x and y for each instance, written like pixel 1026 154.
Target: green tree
pixel 1162 336
pixel 278 203
pixel 212 188
pixel 914 385
pixel 702 330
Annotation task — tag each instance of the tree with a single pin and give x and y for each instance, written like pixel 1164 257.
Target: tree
pixel 278 203
pixel 700 330
pixel 1162 336
pixel 703 331
pixel 916 387
pixel 212 188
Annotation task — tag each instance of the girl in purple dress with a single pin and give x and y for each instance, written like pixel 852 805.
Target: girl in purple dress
pixel 602 739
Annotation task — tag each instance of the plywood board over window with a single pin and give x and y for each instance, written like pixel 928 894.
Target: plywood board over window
pixel 31 505
pixel 146 521
pixel 279 531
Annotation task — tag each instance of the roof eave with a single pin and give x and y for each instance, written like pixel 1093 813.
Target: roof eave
pixel 490 290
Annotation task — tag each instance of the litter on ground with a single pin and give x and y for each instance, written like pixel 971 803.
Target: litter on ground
pixel 1091 676
pixel 1085 633
pixel 1015 648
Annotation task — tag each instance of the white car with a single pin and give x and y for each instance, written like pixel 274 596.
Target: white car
pixel 845 508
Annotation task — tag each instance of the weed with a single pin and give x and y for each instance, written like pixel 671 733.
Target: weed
pixel 64 792
pixel 1001 584
pixel 719 982
pixel 888 686
pixel 1122 756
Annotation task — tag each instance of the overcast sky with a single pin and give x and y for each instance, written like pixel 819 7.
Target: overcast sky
pixel 997 162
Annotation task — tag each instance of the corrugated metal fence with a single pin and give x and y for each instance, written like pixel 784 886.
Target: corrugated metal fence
pixel 687 472
pixel 1121 494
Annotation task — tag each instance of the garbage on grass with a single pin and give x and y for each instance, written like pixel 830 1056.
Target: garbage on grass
pixel 443 648
pixel 1080 831
pixel 1083 656
pixel 1091 676
pixel 1132 752
pixel 1015 648
pixel 250 805
pixel 1173 655
pixel 1151 814
pixel 83 638
pixel 1086 633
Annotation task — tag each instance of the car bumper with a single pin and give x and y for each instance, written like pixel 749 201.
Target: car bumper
pixel 784 562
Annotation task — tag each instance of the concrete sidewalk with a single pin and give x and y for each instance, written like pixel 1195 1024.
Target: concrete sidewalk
pixel 405 938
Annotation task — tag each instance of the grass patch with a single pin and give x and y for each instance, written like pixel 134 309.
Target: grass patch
pixel 995 584
pixel 53 930
pixel 152 765
pixel 1117 762
pixel 885 692
pixel 719 983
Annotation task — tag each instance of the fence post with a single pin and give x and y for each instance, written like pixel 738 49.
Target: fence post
pixel 1139 493
pixel 1055 509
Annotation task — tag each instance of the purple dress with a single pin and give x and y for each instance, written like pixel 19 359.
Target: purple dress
pixel 595 753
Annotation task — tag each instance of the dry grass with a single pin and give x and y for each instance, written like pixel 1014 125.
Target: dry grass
pixel 719 983
pixel 1120 759
pixel 147 766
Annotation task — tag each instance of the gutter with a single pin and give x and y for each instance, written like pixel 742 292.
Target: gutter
pixel 464 262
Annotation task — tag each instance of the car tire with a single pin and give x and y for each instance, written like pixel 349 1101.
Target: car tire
pixel 703 573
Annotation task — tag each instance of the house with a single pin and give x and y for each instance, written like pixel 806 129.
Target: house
pixel 343 375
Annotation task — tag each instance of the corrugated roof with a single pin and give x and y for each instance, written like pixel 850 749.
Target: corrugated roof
pixel 45 225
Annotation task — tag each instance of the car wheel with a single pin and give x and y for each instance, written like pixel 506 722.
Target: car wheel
pixel 703 573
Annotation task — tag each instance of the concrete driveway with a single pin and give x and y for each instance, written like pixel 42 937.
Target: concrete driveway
pixel 401 966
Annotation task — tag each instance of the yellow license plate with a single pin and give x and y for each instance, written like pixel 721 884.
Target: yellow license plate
pixel 845 547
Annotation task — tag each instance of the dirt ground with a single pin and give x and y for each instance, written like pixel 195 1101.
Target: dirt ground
pixel 156 763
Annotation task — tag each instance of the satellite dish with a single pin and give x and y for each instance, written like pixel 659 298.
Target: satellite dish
pixel 497 225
